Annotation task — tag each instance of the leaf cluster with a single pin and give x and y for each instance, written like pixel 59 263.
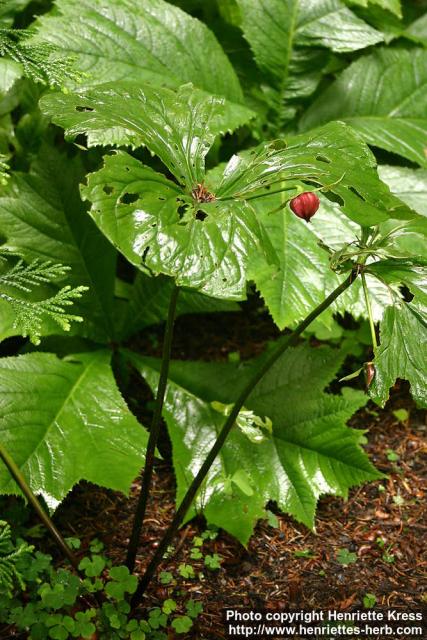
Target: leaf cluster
pixel 143 175
pixel 46 602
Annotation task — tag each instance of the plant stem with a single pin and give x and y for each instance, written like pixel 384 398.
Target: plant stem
pixel 369 309
pixel 289 340
pixel 154 434
pixel 264 194
pixel 16 474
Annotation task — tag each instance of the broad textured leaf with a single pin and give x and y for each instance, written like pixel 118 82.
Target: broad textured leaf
pixel 390 5
pixel 139 211
pixel 149 41
pixel 333 156
pixel 146 301
pixel 384 97
pixel 42 216
pixel 411 273
pixel 64 421
pixel 10 71
pixel 289 39
pixel 216 246
pixel 418 30
pixel 9 9
pixel 311 452
pixel 410 185
pixel 402 353
pixel 7 319
pixel 178 127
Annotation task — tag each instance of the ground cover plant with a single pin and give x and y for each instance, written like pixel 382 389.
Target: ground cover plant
pixel 161 160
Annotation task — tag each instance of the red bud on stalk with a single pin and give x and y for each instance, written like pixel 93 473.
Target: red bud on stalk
pixel 305 205
pixel 369 370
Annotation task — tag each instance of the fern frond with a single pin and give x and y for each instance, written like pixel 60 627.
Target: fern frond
pixel 30 315
pixel 42 62
pixel 27 276
pixel 9 554
pixel 4 169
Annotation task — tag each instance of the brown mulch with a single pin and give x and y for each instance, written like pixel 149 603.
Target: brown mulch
pixel 384 523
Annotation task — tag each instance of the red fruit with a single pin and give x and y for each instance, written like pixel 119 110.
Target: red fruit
pixel 305 205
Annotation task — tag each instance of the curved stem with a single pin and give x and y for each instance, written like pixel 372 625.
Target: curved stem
pixel 16 474
pixel 289 341
pixel 369 309
pixel 154 434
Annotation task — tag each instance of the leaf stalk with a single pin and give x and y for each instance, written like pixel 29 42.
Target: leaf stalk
pixel 369 310
pixel 187 500
pixel 17 475
pixel 154 434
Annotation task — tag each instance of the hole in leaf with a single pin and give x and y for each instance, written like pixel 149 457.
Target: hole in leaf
pixel 128 198
pixel 144 255
pixel 80 108
pixel 356 193
pixel 182 207
pixel 107 189
pixel 406 293
pixel 161 198
pixel 201 215
pixel 333 197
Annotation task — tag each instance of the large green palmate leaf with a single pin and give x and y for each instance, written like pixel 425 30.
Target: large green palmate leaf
pixel 178 127
pixel 418 30
pixel 402 353
pixel 65 420
pixel 214 246
pixel 384 97
pixel 150 41
pixel 146 301
pixel 407 272
pixel 290 39
pixel 410 185
pixel 10 71
pixel 390 5
pixel 309 453
pixel 7 321
pixel 207 237
pixel 9 9
pixel 333 157
pixel 42 216
pixel 138 210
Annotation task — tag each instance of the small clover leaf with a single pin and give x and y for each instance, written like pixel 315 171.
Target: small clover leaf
pixel 52 597
pixel 344 556
pixel 186 571
pixel 157 619
pixel 96 546
pixel 169 606
pixel 121 582
pixel 92 567
pixel 213 561
pixel 166 577
pixel 182 624
pixel 194 608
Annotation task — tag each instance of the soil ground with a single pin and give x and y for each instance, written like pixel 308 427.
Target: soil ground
pixel 383 523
